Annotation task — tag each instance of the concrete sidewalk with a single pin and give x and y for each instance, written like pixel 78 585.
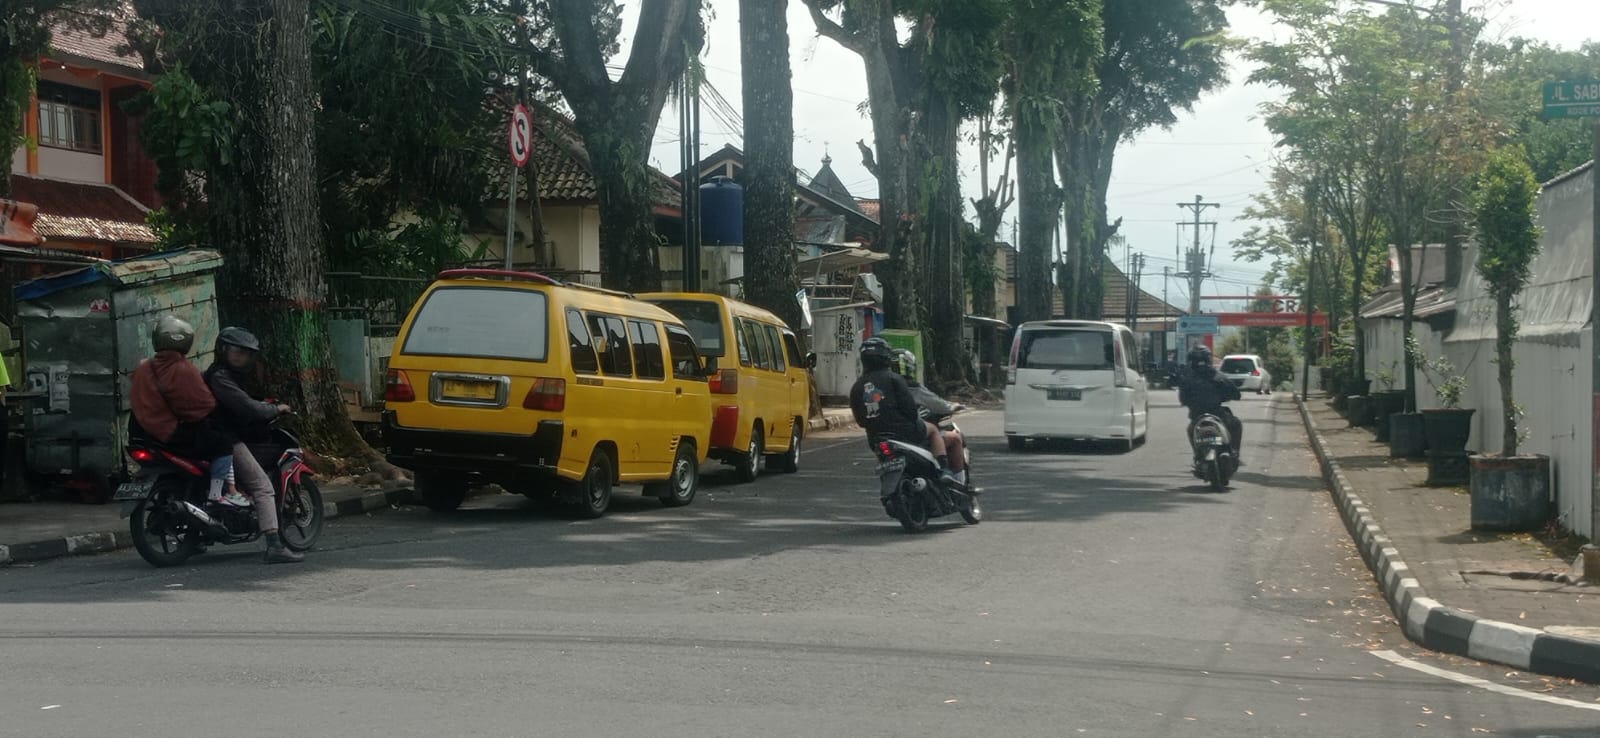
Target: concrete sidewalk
pixel 1433 567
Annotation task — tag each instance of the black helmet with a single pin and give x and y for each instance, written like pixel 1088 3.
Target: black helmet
pixel 1200 358
pixel 876 353
pixel 238 338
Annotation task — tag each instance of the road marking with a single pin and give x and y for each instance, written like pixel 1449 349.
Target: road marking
pixel 1398 660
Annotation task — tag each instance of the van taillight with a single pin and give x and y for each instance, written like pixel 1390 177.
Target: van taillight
pixel 549 395
pixel 1121 373
pixel 397 387
pixel 1016 350
pixel 725 382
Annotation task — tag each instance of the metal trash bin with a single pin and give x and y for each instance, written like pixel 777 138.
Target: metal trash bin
pixel 84 332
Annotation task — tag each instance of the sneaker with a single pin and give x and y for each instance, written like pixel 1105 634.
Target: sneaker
pixel 235 499
pixel 282 555
pixel 950 477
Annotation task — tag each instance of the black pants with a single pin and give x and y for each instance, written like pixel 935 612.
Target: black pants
pixel 1234 425
pixel 5 443
pixel 201 439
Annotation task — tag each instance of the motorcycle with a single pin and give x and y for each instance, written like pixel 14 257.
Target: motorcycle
pixel 912 490
pixel 170 518
pixel 1214 461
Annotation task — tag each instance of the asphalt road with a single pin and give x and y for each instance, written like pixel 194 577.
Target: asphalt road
pixel 1106 594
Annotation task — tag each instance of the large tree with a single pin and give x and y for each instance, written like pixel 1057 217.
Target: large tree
pixel 769 172
pixel 617 117
pixel 1157 59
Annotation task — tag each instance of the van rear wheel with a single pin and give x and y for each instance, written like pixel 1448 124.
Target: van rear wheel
pixel 749 466
pixel 441 491
pixel 680 489
pixel 591 496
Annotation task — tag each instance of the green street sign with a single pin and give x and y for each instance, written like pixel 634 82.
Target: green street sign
pixel 1575 99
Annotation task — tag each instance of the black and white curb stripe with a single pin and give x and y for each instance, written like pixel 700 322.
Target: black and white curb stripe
pixel 111 540
pixel 1440 627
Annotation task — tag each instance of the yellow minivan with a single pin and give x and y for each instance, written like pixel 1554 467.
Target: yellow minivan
pixel 553 390
pixel 762 395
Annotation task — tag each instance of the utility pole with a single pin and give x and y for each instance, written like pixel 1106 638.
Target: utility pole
pixel 1196 270
pixel 1594 463
pixel 1136 264
pixel 1166 313
pixel 1306 303
pixel 689 194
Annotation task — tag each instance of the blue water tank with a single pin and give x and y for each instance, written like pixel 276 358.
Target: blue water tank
pixel 721 213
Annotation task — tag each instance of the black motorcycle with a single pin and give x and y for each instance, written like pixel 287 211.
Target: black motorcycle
pixel 913 491
pixel 170 518
pixel 1214 460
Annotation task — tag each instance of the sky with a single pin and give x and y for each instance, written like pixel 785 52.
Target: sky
pixel 1220 151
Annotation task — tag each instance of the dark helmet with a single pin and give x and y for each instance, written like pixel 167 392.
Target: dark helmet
pixel 876 353
pixel 172 334
pixel 1200 358
pixel 237 338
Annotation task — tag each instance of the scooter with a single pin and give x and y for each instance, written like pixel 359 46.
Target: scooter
pixel 912 488
pixel 1214 460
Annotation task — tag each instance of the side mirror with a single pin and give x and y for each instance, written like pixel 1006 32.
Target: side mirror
pixel 710 367
pixel 811 360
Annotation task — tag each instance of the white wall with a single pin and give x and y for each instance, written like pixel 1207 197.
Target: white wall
pixel 19 160
pixel 73 166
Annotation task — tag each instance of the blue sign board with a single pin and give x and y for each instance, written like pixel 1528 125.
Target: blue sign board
pixel 1199 324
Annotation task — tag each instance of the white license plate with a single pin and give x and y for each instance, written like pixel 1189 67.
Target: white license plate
pixel 1065 394
pixel 892 465
pixel 137 489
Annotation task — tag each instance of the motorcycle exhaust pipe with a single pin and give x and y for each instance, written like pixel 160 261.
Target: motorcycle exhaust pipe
pixel 200 517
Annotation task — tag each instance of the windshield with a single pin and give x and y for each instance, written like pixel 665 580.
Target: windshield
pixel 1066 348
pixel 483 322
pixel 704 321
pixel 1238 365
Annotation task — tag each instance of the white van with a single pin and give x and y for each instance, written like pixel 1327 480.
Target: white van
pixel 1075 379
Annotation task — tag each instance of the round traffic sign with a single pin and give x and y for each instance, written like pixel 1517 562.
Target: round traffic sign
pixel 521 135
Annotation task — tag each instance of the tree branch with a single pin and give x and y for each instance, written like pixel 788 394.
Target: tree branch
pixel 867 159
pixel 827 28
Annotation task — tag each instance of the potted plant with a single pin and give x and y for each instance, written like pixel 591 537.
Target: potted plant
pixel 1386 402
pixel 1406 435
pixel 1447 428
pixel 1511 490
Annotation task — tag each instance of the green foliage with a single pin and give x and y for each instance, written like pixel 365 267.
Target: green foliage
pixel 1504 212
pixel 185 129
pixel 1280 356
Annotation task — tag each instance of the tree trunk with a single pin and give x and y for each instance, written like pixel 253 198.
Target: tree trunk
pixel 623 179
pixel 1038 202
pixel 946 290
pixel 1505 344
pixel 278 268
pixel 769 172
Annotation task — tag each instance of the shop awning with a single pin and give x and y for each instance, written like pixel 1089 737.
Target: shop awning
pixel 833 261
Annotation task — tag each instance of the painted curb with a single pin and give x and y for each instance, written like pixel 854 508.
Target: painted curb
pixel 1436 626
pixel 112 540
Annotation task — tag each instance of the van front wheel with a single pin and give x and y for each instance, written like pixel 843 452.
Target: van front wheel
pixel 789 461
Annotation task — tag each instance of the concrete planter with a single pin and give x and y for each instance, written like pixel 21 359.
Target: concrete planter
pixel 1406 437
pixel 1358 410
pixel 1511 493
pixel 1447 431
pixel 1384 404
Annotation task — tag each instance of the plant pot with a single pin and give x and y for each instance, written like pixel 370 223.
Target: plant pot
pixel 1359 410
pixel 1384 404
pixel 1447 429
pixel 1511 493
pixel 1339 401
pixel 1406 437
pixel 1358 386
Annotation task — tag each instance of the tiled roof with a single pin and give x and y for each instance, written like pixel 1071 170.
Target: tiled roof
pixel 870 208
pixel 83 211
pixel 110 49
pixel 1114 304
pixel 563 166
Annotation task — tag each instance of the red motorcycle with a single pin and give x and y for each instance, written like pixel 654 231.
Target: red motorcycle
pixel 171 520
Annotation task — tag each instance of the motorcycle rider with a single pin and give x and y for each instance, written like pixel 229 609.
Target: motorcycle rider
pixel 171 402
pixel 884 405
pixel 229 374
pixel 1204 389
pixel 931 404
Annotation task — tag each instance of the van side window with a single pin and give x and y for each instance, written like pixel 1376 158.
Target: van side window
pixel 1130 352
pixel 759 353
pixel 777 349
pixel 743 339
pixel 685 359
pixel 579 345
pixel 611 341
pixel 792 344
pixel 647 359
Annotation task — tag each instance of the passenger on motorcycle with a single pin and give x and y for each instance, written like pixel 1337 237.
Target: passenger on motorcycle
pixel 884 405
pixel 1204 389
pixel 932 406
pixel 172 403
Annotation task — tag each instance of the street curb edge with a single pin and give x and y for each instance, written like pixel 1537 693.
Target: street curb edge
pixel 1431 624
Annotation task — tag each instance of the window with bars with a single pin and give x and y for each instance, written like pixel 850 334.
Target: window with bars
pixel 69 118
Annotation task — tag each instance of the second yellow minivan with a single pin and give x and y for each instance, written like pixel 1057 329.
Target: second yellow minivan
pixel 761 396
pixel 553 390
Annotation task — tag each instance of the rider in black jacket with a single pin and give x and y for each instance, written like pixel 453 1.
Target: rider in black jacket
pixel 237 410
pixel 1204 389
pixel 884 405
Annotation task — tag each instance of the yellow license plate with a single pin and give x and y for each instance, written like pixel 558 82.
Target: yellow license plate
pixel 459 390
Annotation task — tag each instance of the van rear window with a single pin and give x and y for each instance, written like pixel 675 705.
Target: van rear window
pixel 482 322
pixel 704 321
pixel 1238 366
pixel 1066 348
